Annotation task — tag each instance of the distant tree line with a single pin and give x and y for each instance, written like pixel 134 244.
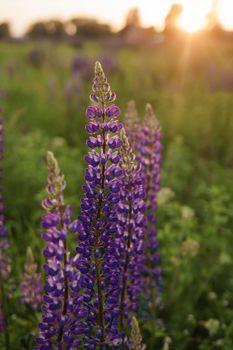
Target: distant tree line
pixel 82 27
pixel 5 30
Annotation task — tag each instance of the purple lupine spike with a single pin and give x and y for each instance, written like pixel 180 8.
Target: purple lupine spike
pixel 30 286
pixel 151 160
pixel 5 267
pixel 98 290
pixel 55 328
pixel 131 222
pixel 145 140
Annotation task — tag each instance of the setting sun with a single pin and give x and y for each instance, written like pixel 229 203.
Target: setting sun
pixel 191 23
pixel 194 15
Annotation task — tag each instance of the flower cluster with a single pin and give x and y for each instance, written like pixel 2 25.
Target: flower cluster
pixel 131 222
pixel 145 140
pixel 151 160
pixel 98 298
pixel 55 328
pixel 91 299
pixel 30 286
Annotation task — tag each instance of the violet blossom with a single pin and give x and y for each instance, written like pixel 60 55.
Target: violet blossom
pixel 131 222
pixel 151 160
pixel 98 289
pixel 55 328
pixel 145 140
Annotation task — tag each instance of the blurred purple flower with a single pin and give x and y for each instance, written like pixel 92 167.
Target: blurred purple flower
pixel 81 65
pixel 131 222
pixel 145 139
pixel 30 286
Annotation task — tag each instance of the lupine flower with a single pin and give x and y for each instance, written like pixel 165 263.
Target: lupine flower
pixel 97 301
pixel 145 140
pixel 4 243
pixel 131 221
pixel 151 159
pixel 30 286
pixel 55 328
pixel 135 339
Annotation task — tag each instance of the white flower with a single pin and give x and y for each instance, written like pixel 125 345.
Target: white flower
pixel 187 213
pixel 189 247
pixel 212 325
pixel 164 195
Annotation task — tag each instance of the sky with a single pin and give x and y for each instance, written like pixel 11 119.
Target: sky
pixel 20 13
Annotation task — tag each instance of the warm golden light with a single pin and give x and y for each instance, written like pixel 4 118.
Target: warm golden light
pixel 190 23
pixel 152 13
pixel 194 15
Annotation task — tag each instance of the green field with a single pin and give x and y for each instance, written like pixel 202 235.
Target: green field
pixel 190 85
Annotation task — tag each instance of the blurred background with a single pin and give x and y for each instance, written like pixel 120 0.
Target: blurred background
pixel 177 56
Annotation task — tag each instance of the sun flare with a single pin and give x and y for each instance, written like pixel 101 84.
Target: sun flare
pixel 194 15
pixel 191 23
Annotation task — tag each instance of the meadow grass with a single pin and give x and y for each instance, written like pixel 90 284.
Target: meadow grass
pixel 187 84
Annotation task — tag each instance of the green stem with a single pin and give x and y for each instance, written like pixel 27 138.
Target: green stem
pixel 4 309
pixel 97 245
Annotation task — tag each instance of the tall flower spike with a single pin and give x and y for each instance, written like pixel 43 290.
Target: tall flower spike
pixel 4 245
pixel 97 298
pixel 30 286
pixel 55 328
pixel 151 159
pixel 130 232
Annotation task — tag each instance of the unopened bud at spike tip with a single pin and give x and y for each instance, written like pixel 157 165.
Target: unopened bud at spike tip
pixel 98 68
pixel 131 115
pixel 150 119
pixel 135 340
pixel 29 256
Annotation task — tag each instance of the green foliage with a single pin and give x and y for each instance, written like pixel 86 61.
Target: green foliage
pixel 184 84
